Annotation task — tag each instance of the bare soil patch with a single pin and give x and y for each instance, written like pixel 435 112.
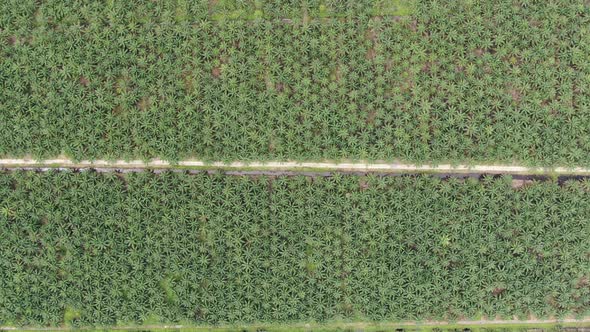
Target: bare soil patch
pixel 216 72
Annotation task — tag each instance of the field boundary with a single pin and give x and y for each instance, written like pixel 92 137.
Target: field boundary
pixel 583 323
pixel 361 166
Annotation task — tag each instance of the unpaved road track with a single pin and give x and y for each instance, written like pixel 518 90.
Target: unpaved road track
pixel 381 167
pixel 583 324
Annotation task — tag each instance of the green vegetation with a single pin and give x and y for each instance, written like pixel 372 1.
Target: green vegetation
pixel 104 248
pixel 344 327
pixel 488 81
pixel 420 81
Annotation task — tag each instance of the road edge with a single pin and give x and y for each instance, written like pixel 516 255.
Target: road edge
pixel 361 166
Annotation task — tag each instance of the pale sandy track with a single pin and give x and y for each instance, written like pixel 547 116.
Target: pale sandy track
pixel 293 166
pixel 531 324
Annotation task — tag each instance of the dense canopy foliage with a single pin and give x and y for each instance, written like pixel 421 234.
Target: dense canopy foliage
pixel 299 79
pixel 106 248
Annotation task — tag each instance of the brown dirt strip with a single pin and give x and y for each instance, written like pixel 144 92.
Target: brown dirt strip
pixel 362 166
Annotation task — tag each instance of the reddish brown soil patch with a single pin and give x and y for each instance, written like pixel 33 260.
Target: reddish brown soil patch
pixel 144 104
pixel 301 118
pixel 371 35
pixel 371 117
pixel 216 72
pixel 363 185
pixel 552 302
pixel 498 290
pixel 370 54
pixel 306 18
pixel 336 75
pixel 414 26
pixel 117 110
pixel 188 82
pixel 537 254
pixel 212 4
pixel 11 40
pixel 348 309
pixel 280 87
pixel 583 282
pixel 388 64
pixel 408 81
pixel 268 82
pixel 426 67
pixel 535 23
pixel 520 183
pixel 479 52
pixel 515 95
pixel 83 81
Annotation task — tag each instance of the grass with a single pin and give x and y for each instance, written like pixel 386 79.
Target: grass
pixel 396 8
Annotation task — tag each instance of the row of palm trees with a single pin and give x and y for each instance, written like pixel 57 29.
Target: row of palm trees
pixel 421 88
pixel 214 248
